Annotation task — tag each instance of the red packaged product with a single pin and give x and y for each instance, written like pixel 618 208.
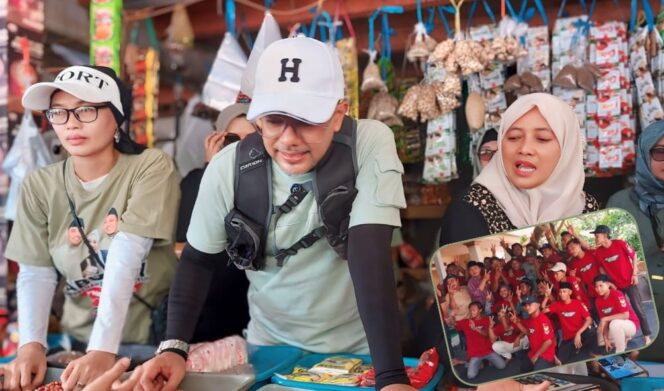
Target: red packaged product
pixel 368 379
pixel 426 368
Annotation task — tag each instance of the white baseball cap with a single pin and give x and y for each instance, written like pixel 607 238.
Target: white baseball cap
pixel 299 77
pixel 559 267
pixel 84 82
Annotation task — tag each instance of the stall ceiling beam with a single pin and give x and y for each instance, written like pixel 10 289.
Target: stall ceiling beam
pixel 208 25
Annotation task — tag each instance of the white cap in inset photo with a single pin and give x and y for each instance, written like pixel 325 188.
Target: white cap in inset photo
pixel 559 267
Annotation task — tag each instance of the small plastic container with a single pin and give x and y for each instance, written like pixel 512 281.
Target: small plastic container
pixel 313 359
pixel 277 387
pixel 194 381
pixel 267 360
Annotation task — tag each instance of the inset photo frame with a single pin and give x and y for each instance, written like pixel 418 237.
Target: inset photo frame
pixel 556 294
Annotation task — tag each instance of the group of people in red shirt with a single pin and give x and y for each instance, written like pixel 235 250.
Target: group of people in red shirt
pixel 590 294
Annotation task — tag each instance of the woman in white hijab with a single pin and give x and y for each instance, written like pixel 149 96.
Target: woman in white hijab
pixel 536 175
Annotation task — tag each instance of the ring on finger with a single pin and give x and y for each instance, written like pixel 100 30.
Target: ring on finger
pixel 80 385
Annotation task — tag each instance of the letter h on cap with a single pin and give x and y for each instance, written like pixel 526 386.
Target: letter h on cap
pixel 294 70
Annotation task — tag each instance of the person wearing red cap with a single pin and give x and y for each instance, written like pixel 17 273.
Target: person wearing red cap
pixel 618 322
pixel 575 321
pixel 618 260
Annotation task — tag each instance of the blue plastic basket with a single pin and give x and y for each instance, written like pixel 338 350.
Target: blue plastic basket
pixel 313 359
pixel 267 360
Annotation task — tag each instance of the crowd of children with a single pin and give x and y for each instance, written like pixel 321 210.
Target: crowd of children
pixel 570 303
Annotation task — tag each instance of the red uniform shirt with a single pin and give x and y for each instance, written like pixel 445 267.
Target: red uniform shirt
pixel 616 261
pixel 504 334
pixel 571 316
pixel 478 345
pixel 540 330
pixel 586 269
pixel 577 290
pixel 517 275
pixel 615 303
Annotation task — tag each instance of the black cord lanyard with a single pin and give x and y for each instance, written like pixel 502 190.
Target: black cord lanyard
pixel 79 225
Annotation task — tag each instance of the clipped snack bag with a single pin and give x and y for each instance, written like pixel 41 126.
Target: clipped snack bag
pixel 408 107
pixel 383 107
pixel 371 79
pixel 426 104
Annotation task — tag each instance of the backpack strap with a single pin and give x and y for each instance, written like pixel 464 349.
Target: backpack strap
pixel 246 225
pixel 334 185
pixel 252 167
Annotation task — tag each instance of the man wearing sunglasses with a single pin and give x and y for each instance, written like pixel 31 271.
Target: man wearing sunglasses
pixel 302 291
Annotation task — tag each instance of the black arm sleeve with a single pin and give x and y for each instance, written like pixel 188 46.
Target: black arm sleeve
pixel 189 192
pixel 462 222
pixel 188 292
pixel 369 261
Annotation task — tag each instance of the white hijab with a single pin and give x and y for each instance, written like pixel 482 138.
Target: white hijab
pixel 561 195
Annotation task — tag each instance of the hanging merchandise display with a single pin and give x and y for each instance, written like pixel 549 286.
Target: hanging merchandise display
pixel 450 60
pixel 420 44
pixel 180 31
pixel 489 82
pixel 534 69
pixel 440 153
pixel 143 72
pixel 223 82
pixel 610 126
pixel 28 152
pixel 375 74
pixel 569 43
pixel 106 33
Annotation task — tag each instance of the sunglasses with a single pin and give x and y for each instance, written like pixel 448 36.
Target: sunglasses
pixel 486 154
pixel 657 154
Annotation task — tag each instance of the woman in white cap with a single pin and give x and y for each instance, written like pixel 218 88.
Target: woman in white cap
pixel 134 264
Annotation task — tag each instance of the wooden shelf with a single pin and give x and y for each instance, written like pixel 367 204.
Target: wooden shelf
pixel 423 212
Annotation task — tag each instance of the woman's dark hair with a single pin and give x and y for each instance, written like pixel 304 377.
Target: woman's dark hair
pixel 125 144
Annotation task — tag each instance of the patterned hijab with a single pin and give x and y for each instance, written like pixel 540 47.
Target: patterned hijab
pixel 649 190
pixel 561 195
